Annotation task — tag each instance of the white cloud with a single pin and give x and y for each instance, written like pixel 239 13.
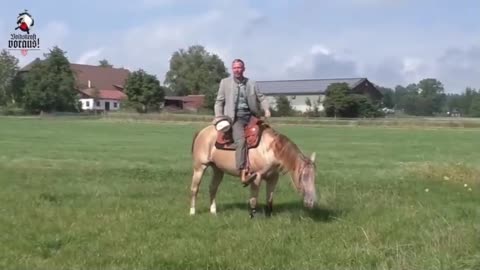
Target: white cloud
pixel 319 62
pixel 319 49
pixel 150 45
pixel 89 56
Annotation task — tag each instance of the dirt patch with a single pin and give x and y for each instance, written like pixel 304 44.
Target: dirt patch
pixel 459 173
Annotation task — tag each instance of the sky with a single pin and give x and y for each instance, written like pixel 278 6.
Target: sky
pixel 390 42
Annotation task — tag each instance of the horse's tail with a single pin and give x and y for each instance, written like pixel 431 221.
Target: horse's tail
pixel 193 141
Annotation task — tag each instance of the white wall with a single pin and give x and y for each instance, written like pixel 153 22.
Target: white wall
pixel 298 102
pixel 89 104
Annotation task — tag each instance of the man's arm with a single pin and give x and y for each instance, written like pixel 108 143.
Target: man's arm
pixel 220 100
pixel 262 99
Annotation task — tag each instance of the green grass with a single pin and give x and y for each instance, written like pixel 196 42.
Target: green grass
pixel 97 194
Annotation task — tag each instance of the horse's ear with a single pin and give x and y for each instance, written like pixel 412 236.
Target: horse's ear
pixel 312 157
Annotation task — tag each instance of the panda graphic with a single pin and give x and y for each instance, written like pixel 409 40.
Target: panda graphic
pixel 25 22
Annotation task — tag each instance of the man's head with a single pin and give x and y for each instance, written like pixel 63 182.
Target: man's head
pixel 238 67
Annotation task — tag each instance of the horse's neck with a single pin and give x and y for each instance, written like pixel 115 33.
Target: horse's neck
pixel 287 154
pixel 296 169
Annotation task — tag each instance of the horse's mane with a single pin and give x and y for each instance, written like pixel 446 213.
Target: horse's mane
pixel 286 151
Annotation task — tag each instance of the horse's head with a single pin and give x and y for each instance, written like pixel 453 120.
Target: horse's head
pixel 306 181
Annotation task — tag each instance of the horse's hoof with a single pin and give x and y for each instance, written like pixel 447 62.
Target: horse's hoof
pixel 268 212
pixel 252 213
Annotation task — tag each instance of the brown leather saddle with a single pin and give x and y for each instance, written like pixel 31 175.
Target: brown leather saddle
pixel 253 132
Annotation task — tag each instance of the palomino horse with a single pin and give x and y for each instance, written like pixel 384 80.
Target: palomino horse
pixel 270 154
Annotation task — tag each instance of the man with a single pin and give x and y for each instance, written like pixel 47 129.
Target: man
pixel 239 98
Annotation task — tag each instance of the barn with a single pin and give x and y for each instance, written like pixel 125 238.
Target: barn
pixel 188 103
pixel 297 91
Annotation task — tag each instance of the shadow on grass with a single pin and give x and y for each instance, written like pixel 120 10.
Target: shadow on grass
pixel 294 209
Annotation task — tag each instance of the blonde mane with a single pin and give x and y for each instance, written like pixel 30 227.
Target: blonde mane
pixel 286 151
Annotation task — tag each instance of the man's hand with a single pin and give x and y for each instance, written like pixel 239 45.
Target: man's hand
pixel 268 114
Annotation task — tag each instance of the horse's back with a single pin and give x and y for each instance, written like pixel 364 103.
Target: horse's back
pixel 202 142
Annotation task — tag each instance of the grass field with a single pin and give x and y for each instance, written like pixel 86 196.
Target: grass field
pixel 98 194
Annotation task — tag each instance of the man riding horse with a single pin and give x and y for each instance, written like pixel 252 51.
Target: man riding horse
pixel 239 99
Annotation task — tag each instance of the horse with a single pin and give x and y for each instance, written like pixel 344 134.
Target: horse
pixel 269 153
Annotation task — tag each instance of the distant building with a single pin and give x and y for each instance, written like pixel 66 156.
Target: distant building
pixel 188 103
pixel 297 91
pixel 100 88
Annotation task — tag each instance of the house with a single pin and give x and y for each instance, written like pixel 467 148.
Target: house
pixel 190 102
pixel 100 88
pixel 297 91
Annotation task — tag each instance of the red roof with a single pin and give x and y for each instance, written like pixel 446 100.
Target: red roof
pixel 105 94
pixel 100 77
pixel 108 78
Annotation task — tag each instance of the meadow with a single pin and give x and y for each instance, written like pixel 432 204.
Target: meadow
pixel 112 194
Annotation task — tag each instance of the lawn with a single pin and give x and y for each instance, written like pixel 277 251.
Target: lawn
pixel 101 194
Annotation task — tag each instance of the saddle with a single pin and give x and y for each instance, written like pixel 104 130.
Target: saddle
pixel 253 132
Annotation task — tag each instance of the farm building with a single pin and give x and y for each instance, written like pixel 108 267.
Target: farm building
pixel 189 103
pixel 298 91
pixel 100 88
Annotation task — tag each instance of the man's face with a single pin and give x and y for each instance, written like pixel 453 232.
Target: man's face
pixel 238 69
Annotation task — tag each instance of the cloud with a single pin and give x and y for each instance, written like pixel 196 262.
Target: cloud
pixel 319 62
pixel 89 56
pixel 459 67
pixel 149 45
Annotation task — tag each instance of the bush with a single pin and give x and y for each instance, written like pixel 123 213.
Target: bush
pixel 12 109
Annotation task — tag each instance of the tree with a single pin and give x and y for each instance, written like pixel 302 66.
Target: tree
pixel 313 108
pixel 195 71
pixel 388 97
pixel 144 89
pixel 337 102
pixel 433 94
pixel 104 63
pixel 467 99
pixel 424 98
pixel 8 72
pixel 475 106
pixel 283 106
pixel 210 96
pixel 363 107
pixel 50 85
pixel 341 102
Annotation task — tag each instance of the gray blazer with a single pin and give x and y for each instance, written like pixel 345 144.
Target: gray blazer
pixel 225 102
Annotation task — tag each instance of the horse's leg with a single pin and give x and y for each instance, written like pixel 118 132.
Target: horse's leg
pixel 198 171
pixel 254 188
pixel 216 180
pixel 271 184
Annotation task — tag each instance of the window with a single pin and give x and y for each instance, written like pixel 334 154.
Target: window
pixel 87 103
pixel 115 104
pixel 98 103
